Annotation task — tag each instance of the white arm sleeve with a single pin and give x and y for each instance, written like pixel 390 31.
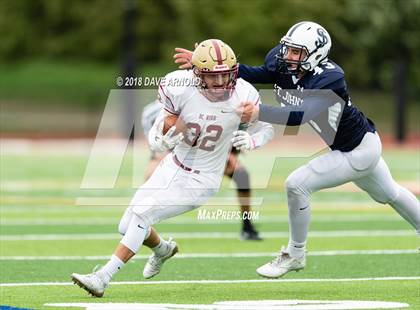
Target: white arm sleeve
pixel 261 133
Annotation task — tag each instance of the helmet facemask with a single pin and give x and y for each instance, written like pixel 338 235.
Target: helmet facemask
pixel 217 85
pixel 288 66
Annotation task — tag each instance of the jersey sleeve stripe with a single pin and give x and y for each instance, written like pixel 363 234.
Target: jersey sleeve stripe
pixel 170 101
pixel 172 112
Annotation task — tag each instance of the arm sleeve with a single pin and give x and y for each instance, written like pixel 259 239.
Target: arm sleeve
pixel 314 103
pixel 258 74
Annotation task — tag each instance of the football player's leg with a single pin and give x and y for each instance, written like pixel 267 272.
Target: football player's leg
pixel 96 282
pixel 240 176
pixel 328 170
pixel 162 251
pixel 156 243
pixel 156 181
pixel 182 195
pixel 134 230
pixel 380 185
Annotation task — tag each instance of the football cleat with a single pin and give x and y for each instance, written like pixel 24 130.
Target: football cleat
pixel 93 283
pixel 250 234
pixel 281 265
pixel 155 262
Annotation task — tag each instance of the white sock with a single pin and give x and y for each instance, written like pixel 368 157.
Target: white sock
pixel 296 249
pixel 111 267
pixel 162 248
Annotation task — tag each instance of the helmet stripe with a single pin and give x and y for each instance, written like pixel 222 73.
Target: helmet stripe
pixel 218 52
pixel 294 28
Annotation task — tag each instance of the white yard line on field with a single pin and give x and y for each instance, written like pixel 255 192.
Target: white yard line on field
pixel 182 221
pixel 219 281
pixel 220 255
pixel 211 235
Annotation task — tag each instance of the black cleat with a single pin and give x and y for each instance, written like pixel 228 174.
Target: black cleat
pixel 250 234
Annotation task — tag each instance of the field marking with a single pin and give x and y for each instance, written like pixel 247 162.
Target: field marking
pixel 219 255
pixel 344 204
pixel 211 235
pixel 243 304
pixel 183 221
pixel 217 281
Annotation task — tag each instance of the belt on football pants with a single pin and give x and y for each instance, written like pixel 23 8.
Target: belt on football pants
pixel 179 164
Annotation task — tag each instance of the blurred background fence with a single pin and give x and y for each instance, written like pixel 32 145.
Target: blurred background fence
pixel 60 58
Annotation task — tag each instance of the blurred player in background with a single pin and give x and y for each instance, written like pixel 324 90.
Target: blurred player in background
pixel 300 63
pixel 234 170
pixel 200 126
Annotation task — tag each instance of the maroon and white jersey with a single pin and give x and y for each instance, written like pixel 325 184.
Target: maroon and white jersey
pixel 207 141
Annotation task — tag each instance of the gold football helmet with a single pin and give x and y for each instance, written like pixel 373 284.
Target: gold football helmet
pixel 214 63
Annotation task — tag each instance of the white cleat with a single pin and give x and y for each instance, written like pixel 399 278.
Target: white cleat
pixel 281 265
pixel 93 283
pixel 155 262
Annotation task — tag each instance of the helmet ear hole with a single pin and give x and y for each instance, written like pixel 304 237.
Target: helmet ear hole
pixel 196 71
pixel 318 57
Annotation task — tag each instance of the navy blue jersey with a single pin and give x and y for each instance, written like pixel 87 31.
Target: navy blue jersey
pixel 353 124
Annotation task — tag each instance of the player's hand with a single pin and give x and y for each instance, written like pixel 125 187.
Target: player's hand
pixel 242 141
pixel 248 112
pixel 183 57
pixel 168 141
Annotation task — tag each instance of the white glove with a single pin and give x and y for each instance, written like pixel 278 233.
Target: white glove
pixel 242 141
pixel 167 142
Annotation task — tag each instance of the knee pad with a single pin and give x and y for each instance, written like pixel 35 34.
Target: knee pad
pixel 388 196
pixel 241 178
pixel 125 220
pixel 293 184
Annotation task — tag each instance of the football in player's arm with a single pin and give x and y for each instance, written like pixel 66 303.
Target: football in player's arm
pixel 191 174
pixel 300 62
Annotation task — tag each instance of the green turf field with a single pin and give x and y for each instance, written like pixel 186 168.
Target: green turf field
pixel 359 250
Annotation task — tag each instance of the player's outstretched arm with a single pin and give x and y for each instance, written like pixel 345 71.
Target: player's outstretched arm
pixel 313 104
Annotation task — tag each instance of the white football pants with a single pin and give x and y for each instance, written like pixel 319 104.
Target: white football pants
pixel 364 166
pixel 170 191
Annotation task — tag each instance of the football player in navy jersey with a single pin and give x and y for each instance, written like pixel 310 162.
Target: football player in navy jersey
pixel 300 63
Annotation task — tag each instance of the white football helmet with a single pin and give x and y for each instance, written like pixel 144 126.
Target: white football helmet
pixel 311 38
